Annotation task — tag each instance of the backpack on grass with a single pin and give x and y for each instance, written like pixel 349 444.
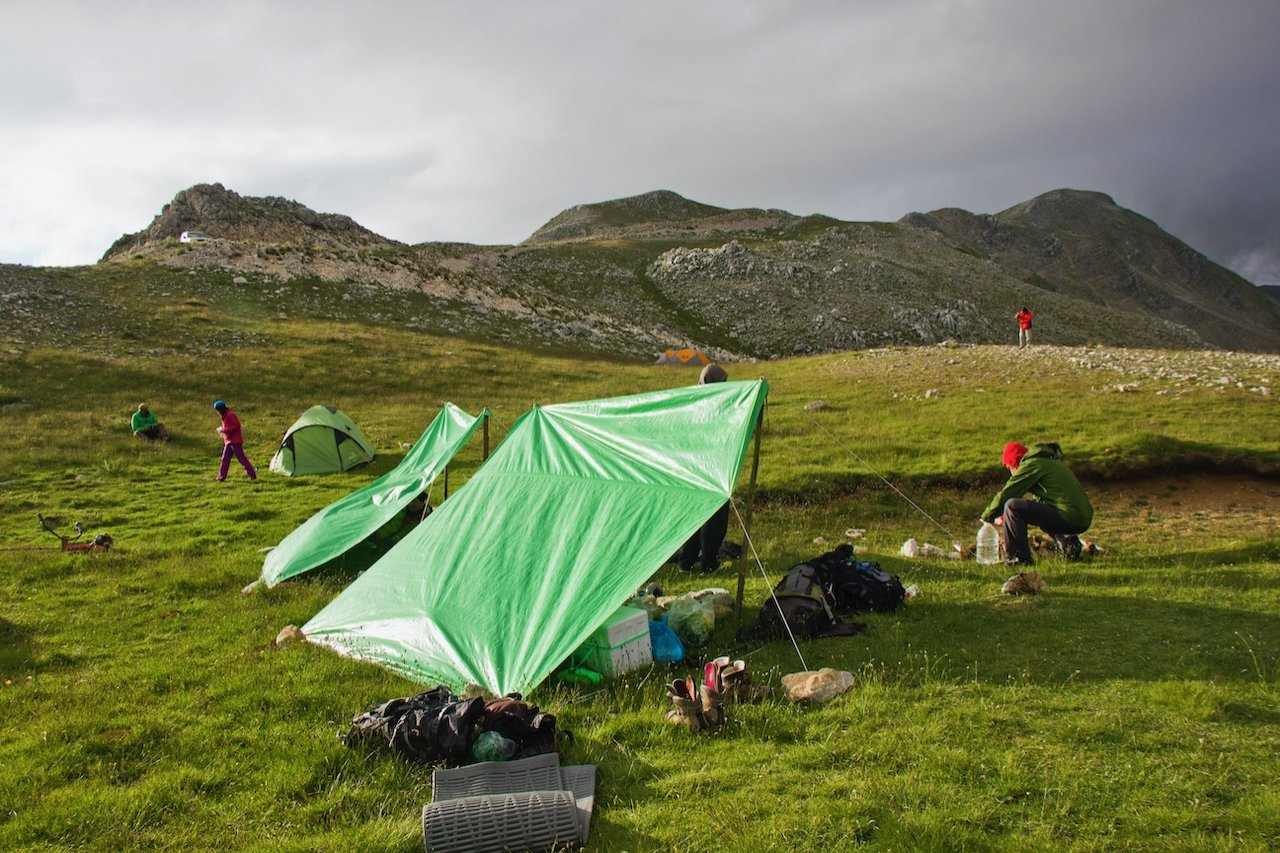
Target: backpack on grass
pixel 813 595
pixel 800 603
pixel 532 731
pixel 856 586
pixel 431 727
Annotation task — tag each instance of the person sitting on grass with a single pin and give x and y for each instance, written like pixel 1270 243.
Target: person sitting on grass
pixel 146 426
pixel 1060 509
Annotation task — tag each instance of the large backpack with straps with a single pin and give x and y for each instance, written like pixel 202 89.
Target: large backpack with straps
pixel 856 586
pixel 799 602
pixel 434 726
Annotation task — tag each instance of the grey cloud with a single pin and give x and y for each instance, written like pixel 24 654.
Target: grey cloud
pixel 478 122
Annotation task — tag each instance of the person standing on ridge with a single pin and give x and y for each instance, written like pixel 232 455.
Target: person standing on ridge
pixel 232 443
pixel 1061 508
pixel 703 547
pixel 1024 326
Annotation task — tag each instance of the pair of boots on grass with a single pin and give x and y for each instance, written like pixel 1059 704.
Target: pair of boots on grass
pixel 700 707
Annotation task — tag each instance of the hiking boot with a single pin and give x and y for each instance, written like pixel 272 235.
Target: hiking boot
pixel 738 687
pixel 712 702
pixel 688 706
pixel 712 673
pixel 1070 546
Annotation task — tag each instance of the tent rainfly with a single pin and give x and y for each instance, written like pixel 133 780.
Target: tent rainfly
pixel 350 520
pixel 580 504
pixel 323 441
pixel 687 357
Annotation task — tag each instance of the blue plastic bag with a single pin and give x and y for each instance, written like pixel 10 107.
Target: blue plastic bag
pixel 667 647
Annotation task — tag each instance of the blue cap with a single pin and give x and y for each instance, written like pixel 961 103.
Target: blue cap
pixel 218 404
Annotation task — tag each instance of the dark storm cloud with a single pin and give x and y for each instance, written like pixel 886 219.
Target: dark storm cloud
pixel 479 122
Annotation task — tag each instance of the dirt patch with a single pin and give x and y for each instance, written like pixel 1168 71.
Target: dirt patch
pixel 1207 492
pixel 1192 506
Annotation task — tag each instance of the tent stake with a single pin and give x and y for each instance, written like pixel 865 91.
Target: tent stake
pixel 746 524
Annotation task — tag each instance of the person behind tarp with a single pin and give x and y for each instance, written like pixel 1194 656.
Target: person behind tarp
pixel 399 525
pixel 703 547
pixel 146 425
pixel 1060 508
pixel 232 442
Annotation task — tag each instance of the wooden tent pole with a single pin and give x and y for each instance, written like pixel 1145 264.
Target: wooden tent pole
pixel 746 522
pixel 485 417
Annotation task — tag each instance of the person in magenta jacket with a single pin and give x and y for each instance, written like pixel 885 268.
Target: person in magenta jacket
pixel 232 443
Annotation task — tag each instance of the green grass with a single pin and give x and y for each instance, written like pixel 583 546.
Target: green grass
pixel 1134 705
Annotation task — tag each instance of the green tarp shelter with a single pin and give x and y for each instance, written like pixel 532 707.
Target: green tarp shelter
pixel 350 520
pixel 323 441
pixel 580 504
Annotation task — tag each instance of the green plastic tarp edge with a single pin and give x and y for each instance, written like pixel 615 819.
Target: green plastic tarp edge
pixel 580 504
pixel 348 521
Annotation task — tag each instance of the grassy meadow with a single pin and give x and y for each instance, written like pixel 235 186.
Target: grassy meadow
pixel 1134 705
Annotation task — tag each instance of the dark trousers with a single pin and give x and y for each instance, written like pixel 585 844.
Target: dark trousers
pixel 236 450
pixel 704 545
pixel 1018 513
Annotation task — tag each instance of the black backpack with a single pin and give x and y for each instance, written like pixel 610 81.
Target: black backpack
pixel 799 602
pixel 533 731
pixel 431 727
pixel 856 586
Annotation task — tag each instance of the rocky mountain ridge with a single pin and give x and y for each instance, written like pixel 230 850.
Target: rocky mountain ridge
pixel 635 276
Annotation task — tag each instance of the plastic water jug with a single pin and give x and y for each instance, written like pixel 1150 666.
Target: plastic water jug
pixel 988 543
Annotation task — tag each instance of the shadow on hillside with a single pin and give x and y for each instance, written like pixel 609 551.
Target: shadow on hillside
pixel 1211 558
pixel 16 648
pixel 1066 635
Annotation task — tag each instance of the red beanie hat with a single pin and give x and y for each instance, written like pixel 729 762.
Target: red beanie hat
pixel 1013 453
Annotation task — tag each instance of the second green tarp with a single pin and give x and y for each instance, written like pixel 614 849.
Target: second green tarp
pixel 352 519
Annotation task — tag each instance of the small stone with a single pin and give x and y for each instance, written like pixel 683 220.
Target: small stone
pixel 288 634
pixel 815 406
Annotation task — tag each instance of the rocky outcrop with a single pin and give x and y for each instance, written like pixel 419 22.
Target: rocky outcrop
pixel 223 214
pixel 638 275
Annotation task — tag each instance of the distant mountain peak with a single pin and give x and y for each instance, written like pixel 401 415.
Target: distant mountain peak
pixel 224 214
pixel 584 220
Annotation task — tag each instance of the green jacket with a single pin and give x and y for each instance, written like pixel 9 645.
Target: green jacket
pixel 139 421
pixel 1043 474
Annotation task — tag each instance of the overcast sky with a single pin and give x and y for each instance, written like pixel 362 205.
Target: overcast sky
pixel 479 121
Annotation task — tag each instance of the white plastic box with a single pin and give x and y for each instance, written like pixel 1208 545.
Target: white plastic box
pixel 620 645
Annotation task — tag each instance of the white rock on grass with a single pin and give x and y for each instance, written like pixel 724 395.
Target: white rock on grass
pixel 816 687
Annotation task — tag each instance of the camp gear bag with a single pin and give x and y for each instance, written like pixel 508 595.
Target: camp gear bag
pixel 434 726
pixel 533 731
pixel 856 586
pixel 800 603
